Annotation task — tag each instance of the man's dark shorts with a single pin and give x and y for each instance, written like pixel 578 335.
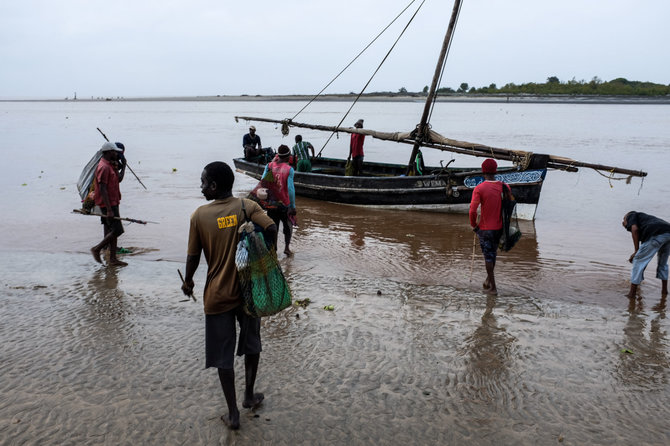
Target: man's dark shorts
pixel 281 215
pixel 488 240
pixel 112 224
pixel 220 337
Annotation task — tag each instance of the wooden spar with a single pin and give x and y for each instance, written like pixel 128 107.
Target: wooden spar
pixel 611 169
pixel 465 148
pixel 423 127
pixel 131 220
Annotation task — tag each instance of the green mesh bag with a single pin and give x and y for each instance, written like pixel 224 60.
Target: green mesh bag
pixel 263 286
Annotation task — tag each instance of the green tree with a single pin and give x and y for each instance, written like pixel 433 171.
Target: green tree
pixel 463 88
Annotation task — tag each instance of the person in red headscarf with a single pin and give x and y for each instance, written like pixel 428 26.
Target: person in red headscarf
pixel 488 195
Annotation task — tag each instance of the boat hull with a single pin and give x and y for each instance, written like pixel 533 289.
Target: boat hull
pixel 384 185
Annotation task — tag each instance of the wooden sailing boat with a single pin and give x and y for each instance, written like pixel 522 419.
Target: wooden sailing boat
pixel 433 188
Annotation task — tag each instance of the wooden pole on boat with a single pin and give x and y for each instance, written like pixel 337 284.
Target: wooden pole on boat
pixel 422 129
pixel 462 147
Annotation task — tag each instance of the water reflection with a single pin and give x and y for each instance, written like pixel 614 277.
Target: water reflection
pixel 419 247
pixel 357 237
pixel 489 347
pixel 103 297
pixel 437 249
pixel 643 360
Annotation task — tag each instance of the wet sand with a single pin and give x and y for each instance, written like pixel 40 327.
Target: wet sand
pixel 413 353
pixel 98 355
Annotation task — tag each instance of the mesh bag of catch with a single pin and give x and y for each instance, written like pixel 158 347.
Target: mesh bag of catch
pixel 86 176
pixel 262 283
pixel 510 230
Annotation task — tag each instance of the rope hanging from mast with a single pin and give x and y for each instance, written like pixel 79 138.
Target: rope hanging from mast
pixel 422 130
pixel 356 58
pixel 388 53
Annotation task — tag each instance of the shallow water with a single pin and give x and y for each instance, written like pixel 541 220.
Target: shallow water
pixel 414 353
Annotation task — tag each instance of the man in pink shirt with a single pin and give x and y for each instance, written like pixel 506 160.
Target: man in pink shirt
pixel 108 198
pixel 488 194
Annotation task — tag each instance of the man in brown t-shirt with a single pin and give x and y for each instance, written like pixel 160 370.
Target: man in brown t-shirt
pixel 213 231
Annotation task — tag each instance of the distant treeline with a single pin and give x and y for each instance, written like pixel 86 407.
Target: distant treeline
pixel 616 87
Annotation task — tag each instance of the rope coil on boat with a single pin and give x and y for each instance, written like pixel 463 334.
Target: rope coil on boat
pixel 522 161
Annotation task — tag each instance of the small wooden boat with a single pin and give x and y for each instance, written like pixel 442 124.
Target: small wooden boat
pixel 435 188
pixel 385 185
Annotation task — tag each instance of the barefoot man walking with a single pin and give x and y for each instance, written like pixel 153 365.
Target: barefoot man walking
pixel 489 228
pixel 108 198
pixel 213 231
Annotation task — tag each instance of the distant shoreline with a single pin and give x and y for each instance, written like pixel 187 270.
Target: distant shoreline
pixel 480 98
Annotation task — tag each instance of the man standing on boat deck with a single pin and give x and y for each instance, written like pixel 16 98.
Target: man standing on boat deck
pixel 356 149
pixel 284 190
pixel 488 194
pixel 213 230
pixel 107 193
pixel 651 236
pixel 302 155
pixel 252 144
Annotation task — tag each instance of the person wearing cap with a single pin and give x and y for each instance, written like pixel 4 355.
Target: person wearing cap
pixel 108 198
pixel 284 190
pixel 252 144
pixel 651 236
pixel 356 149
pixel 302 155
pixel 488 195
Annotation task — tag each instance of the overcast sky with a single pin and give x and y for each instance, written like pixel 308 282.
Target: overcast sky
pixel 137 48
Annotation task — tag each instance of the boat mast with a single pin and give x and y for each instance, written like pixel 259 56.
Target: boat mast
pixel 422 128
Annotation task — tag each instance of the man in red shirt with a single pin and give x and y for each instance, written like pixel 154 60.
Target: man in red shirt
pixel 108 198
pixel 356 149
pixel 488 194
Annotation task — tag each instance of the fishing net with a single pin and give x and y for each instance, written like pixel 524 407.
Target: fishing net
pixel 86 176
pixel 510 230
pixel 263 285
pixel 349 168
pixel 266 192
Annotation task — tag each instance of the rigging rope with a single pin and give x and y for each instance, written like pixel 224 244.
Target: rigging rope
pixel 611 177
pixel 373 74
pixel 355 58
